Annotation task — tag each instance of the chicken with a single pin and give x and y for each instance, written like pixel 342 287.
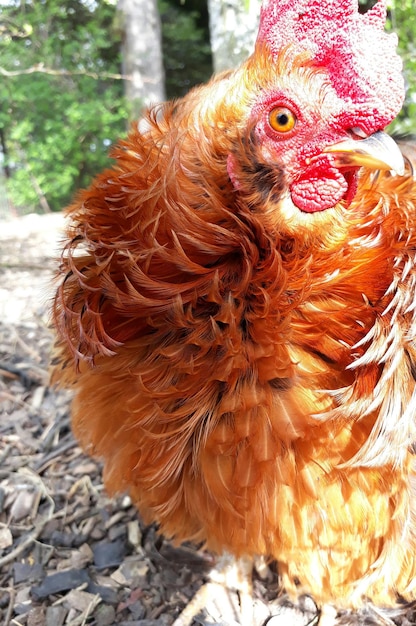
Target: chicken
pixel 236 311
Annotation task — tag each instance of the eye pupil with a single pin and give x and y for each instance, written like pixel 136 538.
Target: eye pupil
pixel 282 119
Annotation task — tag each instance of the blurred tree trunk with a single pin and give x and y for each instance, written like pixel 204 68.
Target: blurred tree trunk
pixel 233 28
pixel 142 54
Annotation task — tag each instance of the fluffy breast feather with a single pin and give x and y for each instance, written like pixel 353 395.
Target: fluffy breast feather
pixel 250 387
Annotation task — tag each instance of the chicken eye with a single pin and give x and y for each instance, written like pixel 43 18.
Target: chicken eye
pixel 282 120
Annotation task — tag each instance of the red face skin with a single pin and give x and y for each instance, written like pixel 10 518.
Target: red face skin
pixel 322 119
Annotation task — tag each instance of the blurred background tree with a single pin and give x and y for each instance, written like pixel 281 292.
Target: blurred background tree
pixel 65 72
pixel 233 30
pixel 141 51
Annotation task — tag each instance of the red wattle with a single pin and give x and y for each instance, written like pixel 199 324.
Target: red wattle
pixel 320 187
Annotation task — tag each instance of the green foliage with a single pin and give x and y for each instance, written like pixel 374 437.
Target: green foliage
pixel 60 107
pixel 186 48
pixel 58 122
pixel 402 20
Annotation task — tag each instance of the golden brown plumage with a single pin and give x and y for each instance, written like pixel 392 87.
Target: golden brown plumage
pixel 247 369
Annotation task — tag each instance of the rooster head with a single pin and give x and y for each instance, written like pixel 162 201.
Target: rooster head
pixel 319 116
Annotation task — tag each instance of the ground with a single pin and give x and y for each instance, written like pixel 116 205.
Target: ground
pixel 69 555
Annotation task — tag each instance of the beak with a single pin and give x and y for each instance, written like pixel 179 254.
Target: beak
pixel 378 152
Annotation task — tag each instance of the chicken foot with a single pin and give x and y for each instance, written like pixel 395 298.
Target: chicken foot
pixel 231 574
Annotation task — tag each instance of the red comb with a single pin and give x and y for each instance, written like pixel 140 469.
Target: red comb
pixel 359 56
